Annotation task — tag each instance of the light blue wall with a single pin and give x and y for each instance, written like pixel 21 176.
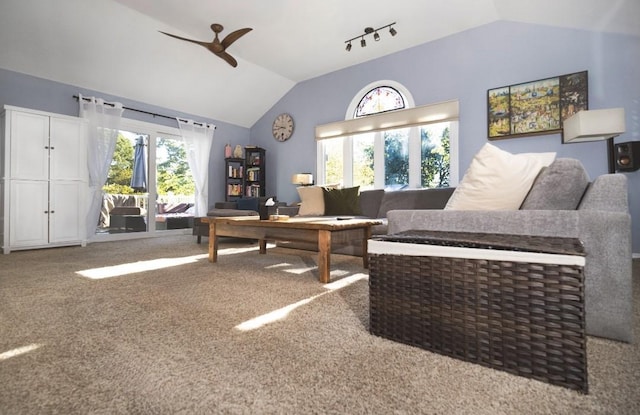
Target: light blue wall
pixel 464 66
pixel 26 91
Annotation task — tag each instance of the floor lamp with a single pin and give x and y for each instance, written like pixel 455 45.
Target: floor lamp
pixel 595 125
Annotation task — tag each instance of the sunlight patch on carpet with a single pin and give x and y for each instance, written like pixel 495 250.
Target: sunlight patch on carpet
pixel 152 264
pixel 274 315
pixel 341 283
pixel 280 265
pixel 18 351
pixel 232 251
pixel 296 271
pixel 282 313
pixel 140 266
pixel 299 271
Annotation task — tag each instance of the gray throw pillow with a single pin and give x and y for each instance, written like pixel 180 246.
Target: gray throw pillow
pixel 560 186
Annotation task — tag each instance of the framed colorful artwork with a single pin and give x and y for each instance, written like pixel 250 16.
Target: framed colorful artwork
pixel 536 107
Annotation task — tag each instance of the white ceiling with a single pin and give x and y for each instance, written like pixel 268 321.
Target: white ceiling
pixel 114 46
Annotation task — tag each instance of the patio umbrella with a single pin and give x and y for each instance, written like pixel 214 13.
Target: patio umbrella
pixel 139 176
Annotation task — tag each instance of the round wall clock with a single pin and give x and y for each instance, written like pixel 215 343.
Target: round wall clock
pixel 282 127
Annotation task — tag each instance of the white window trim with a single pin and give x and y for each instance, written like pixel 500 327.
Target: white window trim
pixel 411 116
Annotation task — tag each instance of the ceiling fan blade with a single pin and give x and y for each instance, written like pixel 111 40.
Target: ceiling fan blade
pixel 230 59
pixel 197 42
pixel 217 47
pixel 233 36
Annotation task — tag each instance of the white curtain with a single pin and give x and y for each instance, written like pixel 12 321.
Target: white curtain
pixel 197 140
pixel 104 125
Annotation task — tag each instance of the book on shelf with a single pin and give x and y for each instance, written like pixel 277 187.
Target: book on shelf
pixel 235 172
pixel 253 174
pixel 234 190
pixel 253 190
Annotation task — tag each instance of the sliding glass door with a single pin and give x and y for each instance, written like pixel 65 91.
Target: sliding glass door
pixel 175 188
pixel 149 188
pixel 125 200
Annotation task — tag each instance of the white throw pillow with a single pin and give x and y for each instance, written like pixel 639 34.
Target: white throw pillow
pixel 312 201
pixel 498 180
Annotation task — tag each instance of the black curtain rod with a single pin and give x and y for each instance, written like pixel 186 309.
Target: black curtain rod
pixel 143 111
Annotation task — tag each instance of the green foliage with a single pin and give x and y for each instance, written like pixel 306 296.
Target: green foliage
pixel 434 169
pixel 119 179
pixel 363 173
pixel 174 175
pixel 396 161
pixel 334 169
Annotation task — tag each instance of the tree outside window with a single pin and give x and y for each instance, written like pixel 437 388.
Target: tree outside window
pixel 435 157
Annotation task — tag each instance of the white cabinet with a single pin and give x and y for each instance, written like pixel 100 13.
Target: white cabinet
pixel 43 179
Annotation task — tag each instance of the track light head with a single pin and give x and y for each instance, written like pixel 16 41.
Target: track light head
pixel 348 47
pixel 376 36
pixel 392 31
pixel 363 42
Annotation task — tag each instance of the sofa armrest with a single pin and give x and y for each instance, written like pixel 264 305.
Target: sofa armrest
pixel 606 237
pixel 607 192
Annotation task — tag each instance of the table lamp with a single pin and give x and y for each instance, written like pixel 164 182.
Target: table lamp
pixel 302 179
pixel 595 125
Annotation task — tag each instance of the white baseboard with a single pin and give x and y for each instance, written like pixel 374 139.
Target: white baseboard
pixel 635 256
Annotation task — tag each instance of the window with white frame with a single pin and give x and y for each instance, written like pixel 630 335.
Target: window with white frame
pixel 386 142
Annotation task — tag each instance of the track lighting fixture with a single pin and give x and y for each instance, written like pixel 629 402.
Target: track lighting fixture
pixel 368 31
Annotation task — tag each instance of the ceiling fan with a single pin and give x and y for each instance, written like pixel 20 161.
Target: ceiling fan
pixel 216 46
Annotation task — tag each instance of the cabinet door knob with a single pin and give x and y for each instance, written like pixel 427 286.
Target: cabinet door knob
pixel 52 148
pixel 46 211
pixel 46 147
pixel 52 211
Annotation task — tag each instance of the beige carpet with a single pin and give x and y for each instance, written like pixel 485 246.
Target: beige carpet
pixel 185 338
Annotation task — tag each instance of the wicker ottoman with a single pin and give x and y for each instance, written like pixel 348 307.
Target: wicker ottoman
pixel 509 302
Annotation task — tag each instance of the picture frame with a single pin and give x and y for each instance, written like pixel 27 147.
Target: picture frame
pixel 536 107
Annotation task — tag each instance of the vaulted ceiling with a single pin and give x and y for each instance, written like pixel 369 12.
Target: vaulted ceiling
pixel 114 46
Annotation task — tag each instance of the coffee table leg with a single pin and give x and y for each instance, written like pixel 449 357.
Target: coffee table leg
pixel 366 234
pixel 213 242
pixel 324 255
pixel 263 246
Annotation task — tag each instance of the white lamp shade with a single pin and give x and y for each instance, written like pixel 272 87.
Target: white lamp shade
pixel 593 125
pixel 302 179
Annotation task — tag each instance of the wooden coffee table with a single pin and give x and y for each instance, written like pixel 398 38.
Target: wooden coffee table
pixel 320 231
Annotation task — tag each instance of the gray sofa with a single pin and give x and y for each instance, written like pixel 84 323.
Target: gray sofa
pixel 562 202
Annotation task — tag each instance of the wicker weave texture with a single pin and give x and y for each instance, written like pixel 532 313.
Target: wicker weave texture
pixel 526 319
pixel 523 243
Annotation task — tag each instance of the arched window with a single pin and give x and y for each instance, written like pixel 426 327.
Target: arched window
pixel 379 99
pixel 394 158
